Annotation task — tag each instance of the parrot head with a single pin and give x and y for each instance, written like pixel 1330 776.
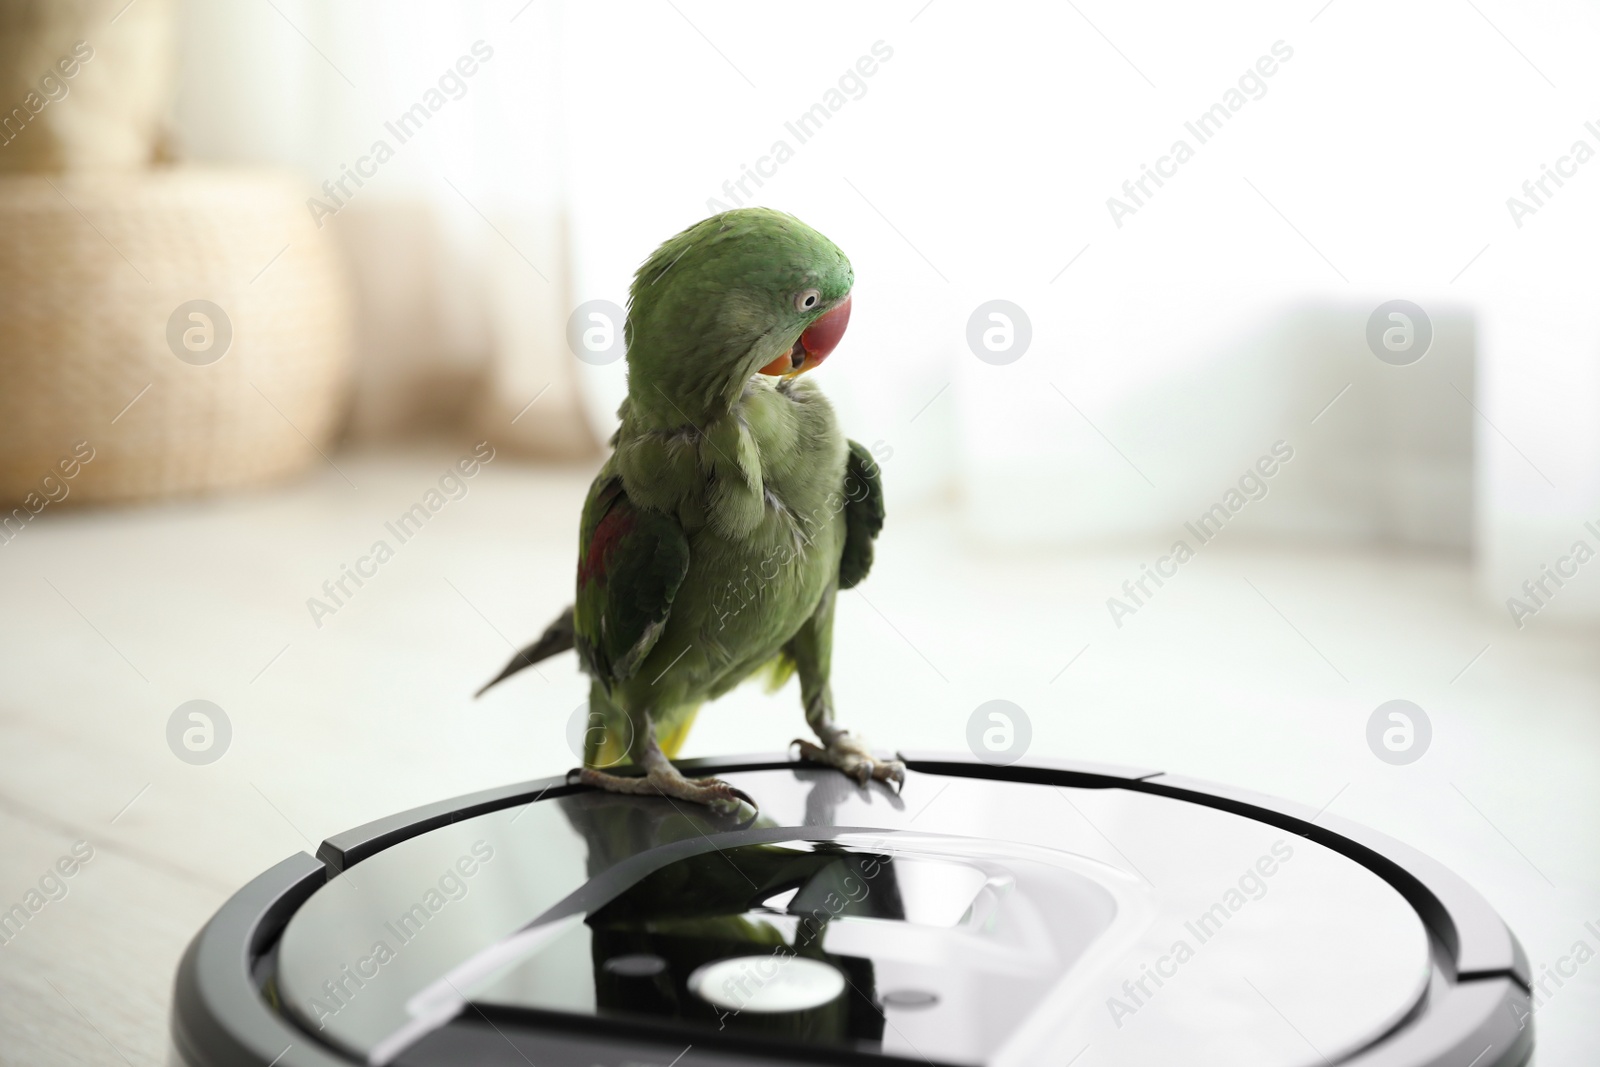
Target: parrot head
pixel 747 292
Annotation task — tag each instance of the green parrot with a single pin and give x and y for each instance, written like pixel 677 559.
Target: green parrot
pixel 732 508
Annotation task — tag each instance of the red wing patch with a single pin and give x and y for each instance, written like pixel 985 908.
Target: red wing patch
pixel 608 533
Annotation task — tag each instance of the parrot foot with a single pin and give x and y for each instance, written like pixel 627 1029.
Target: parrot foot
pixel 850 756
pixel 667 782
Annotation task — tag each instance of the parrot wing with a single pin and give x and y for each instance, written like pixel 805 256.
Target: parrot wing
pixel 631 561
pixel 863 514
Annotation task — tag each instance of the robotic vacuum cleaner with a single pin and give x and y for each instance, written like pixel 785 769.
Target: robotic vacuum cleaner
pixel 1037 913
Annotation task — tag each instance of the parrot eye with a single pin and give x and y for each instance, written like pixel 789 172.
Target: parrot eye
pixel 807 299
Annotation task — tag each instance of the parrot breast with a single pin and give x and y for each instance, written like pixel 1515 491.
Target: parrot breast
pixel 748 592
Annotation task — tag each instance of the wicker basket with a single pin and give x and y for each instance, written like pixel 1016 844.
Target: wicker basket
pixel 107 112
pixel 93 268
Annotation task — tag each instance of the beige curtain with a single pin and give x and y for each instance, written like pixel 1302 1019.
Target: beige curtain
pixel 455 239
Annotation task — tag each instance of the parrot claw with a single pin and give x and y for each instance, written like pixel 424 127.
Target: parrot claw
pixel 722 791
pixel 668 783
pixel 854 761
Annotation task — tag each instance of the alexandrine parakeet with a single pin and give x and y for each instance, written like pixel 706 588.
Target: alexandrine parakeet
pixel 732 509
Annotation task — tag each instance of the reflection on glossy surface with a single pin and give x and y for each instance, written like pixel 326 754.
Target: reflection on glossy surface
pixel 984 929
pixel 972 922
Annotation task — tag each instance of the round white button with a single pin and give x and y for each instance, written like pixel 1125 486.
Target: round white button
pixel 767 983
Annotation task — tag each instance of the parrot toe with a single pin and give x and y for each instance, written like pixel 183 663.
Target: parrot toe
pixel 895 771
pixel 849 757
pixel 669 783
pixel 721 792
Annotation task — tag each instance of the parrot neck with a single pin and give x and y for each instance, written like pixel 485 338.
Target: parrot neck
pixel 698 393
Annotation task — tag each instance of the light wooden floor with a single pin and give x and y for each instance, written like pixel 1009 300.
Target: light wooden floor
pixel 111 619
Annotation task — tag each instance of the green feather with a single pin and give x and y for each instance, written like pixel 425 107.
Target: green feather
pixel 863 512
pixel 733 506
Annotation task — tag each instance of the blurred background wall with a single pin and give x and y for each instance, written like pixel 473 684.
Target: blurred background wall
pixel 964 153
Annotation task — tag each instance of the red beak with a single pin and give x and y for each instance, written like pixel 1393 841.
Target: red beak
pixel 822 336
pixel 815 344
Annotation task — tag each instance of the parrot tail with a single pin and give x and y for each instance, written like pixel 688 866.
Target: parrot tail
pixel 557 637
